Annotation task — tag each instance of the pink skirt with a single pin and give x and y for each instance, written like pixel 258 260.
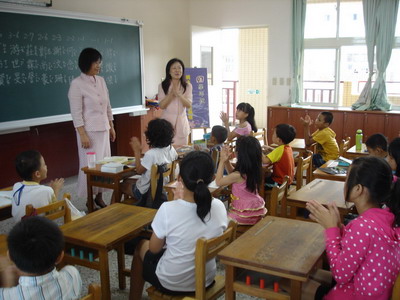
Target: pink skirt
pixel 246 212
pixel 100 144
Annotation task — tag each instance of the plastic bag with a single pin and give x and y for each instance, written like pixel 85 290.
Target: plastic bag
pixel 75 213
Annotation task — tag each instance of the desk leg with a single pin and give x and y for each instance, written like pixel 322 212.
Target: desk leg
pixel 116 198
pixel 229 278
pixel 104 274
pixel 121 266
pixel 89 202
pixel 295 287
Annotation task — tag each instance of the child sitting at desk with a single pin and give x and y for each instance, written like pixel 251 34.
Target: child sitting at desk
pixel 245 114
pixel 31 167
pixel 377 145
pixel 168 260
pixel 36 246
pixel 159 135
pixel 393 157
pixel 324 136
pixel 364 256
pixel 282 156
pixel 247 207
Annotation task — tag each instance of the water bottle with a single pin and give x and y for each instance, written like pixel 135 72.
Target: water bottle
pixel 359 137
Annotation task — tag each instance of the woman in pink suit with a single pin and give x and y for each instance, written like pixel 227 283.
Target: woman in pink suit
pixel 91 113
pixel 175 96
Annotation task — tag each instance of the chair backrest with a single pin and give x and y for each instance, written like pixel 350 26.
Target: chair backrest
pixel 208 249
pixel 261 135
pixel 94 292
pixel 303 164
pixel 278 195
pixel 154 176
pixel 52 211
pixel 396 289
pixel 344 146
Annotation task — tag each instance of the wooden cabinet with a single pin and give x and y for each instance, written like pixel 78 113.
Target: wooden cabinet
pixel 345 121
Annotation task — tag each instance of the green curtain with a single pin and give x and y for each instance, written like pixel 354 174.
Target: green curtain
pixel 380 18
pixel 298 23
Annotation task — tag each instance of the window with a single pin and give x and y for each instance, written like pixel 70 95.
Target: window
pixel 335 55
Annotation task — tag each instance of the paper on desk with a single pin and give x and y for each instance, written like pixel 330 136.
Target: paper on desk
pixel 213 185
pixel 5 198
pixel 137 176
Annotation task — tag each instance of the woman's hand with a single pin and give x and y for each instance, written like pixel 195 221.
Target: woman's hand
pixel 113 135
pixel 85 141
pixel 326 217
pixel 224 117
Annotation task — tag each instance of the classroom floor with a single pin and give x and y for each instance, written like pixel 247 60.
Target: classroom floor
pixel 89 275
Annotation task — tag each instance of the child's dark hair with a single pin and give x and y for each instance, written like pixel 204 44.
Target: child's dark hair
pixel 377 140
pixel 159 133
pixel 249 161
pixel 26 163
pixel 167 81
pixel 197 171
pixel 220 133
pixel 285 132
pixel 248 109
pixel 394 151
pixel 87 57
pixel 328 117
pixel 375 174
pixel 34 245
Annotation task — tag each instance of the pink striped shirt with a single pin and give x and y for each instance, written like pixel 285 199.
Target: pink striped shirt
pixel 90 103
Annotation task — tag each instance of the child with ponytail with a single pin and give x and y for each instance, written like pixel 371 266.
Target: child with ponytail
pixel 167 260
pixel 364 256
pixel 245 114
pixel 247 207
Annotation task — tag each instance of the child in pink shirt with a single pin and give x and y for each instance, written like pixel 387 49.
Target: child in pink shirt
pixel 245 115
pixel 364 256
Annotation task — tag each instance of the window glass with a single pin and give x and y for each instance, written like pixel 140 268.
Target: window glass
pixel 320 20
pixel 393 77
pixel 351 21
pixel 319 82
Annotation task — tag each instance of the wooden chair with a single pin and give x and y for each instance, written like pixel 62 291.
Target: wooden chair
pixel 303 164
pixel 94 292
pixel 52 211
pixel 205 251
pixel 396 289
pixel 344 146
pixel 278 195
pixel 261 136
pixel 154 176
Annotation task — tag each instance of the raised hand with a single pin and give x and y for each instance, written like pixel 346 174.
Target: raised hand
pixel 326 217
pixel 306 120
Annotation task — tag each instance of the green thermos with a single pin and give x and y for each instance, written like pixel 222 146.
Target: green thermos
pixel 359 137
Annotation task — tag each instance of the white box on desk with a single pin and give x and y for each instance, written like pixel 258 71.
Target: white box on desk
pixel 112 167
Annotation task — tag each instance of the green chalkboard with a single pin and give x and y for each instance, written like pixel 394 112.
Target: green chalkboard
pixel 39 58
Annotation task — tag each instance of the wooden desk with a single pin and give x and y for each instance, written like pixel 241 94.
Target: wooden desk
pixel 97 233
pixel 322 190
pixel 277 246
pixel 322 175
pixel 95 177
pixel 3 245
pixel 352 153
pixel 298 145
pixel 170 188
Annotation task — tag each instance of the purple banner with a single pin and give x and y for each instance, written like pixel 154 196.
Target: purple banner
pixel 198 115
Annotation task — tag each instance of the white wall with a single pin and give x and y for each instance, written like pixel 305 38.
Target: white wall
pixel 274 14
pixel 166 30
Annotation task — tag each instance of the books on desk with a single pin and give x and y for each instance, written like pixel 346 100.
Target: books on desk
pixel 6 198
pixel 126 160
pixel 338 166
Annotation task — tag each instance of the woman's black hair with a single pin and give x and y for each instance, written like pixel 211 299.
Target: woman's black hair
pixel 375 174
pixel 197 171
pixel 249 110
pixel 249 161
pixel 159 133
pixel 167 81
pixel 394 151
pixel 87 57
